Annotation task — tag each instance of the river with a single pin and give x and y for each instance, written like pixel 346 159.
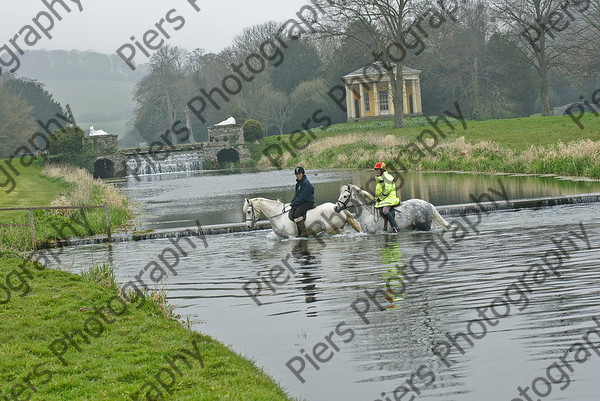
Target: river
pixel 369 356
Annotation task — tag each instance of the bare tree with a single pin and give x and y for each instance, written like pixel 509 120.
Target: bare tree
pixel 275 108
pixel 388 25
pixel 159 94
pixel 533 27
pixel 162 95
pixel 585 60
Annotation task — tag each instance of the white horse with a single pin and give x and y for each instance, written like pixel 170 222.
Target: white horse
pixel 321 218
pixel 412 213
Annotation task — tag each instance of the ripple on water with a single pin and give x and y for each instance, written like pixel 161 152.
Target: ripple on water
pixel 384 353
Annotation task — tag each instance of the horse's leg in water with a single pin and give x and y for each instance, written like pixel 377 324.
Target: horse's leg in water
pixel 385 221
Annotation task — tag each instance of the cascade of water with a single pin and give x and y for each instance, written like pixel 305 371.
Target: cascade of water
pixel 457 210
pixel 450 210
pixel 172 163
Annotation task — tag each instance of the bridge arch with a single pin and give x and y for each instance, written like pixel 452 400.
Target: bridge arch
pixel 104 168
pixel 228 156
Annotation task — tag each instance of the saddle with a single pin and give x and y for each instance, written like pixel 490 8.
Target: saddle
pixel 303 216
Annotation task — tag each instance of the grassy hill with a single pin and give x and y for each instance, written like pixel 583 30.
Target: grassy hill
pixel 535 145
pixel 106 105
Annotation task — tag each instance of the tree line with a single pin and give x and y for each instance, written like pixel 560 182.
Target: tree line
pixel 25 108
pixel 497 58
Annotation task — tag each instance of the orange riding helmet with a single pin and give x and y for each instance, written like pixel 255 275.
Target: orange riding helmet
pixel 380 165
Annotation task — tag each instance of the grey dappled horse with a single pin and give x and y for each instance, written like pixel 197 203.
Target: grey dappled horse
pixel 410 214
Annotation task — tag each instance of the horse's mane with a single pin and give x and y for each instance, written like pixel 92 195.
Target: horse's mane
pixel 266 200
pixel 363 193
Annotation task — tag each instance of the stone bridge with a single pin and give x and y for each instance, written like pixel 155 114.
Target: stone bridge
pixel 225 145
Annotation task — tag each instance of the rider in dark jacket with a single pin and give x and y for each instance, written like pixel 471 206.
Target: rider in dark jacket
pixel 303 201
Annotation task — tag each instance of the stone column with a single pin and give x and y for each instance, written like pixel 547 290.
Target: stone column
pixel 361 101
pixel 405 103
pixel 349 100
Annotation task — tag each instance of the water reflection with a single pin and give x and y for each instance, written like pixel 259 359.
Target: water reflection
pixel 393 270
pixel 177 200
pixel 308 274
pixel 386 352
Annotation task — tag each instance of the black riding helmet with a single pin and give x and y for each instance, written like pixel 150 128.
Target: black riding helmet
pixel 299 170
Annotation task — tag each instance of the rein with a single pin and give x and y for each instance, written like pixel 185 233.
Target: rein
pixel 344 205
pixel 254 219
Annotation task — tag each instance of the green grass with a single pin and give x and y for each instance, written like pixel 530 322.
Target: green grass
pixel 124 356
pixel 32 189
pixel 516 134
pixel 125 352
pixel 536 145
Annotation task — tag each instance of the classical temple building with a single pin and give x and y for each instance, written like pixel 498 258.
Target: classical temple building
pixel 369 93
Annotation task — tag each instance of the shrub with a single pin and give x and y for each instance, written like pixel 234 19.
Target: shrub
pixel 66 146
pixel 253 131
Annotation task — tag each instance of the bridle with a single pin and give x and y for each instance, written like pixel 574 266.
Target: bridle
pixel 344 205
pixel 253 215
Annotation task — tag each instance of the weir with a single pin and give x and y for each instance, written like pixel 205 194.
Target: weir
pixel 167 163
pixel 449 210
pixel 533 203
pixel 225 145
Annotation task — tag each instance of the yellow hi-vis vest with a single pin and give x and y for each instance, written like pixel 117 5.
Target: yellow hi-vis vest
pixel 385 191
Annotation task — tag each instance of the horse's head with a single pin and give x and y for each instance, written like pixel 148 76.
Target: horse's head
pixel 345 198
pixel 251 213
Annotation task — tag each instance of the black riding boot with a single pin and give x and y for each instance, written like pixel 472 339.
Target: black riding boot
pixel 302 232
pixel 390 217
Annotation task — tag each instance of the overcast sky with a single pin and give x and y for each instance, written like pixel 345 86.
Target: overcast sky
pixel 105 25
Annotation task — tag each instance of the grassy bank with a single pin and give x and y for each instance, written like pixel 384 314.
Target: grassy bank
pixel 76 337
pixel 125 352
pixel 536 145
pixel 59 186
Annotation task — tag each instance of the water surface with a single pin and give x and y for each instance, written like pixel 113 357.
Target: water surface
pixel 177 200
pixel 333 273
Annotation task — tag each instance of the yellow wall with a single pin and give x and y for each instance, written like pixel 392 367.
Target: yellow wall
pixel 370 113
pixel 409 92
pixel 372 91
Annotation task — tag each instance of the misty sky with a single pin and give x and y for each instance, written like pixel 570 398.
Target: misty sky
pixel 105 25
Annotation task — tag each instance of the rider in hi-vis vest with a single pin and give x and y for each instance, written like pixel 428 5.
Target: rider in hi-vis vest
pixel 385 195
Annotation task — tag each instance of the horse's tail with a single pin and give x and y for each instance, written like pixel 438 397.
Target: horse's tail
pixel 440 220
pixel 352 221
